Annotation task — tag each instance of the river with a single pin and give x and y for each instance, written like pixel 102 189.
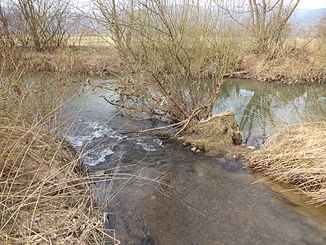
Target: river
pixel 159 193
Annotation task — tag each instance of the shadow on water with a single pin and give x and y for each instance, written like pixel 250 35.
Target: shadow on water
pixel 164 194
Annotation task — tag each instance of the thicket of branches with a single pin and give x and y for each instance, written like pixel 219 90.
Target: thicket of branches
pixel 43 24
pixel 266 21
pixel 176 53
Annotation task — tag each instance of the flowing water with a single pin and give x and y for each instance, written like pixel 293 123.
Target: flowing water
pixel 161 193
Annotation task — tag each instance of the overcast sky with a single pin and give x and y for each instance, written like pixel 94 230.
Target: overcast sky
pixel 304 4
pixel 312 4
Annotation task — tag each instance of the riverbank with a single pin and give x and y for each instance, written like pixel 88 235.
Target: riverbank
pixel 52 161
pixel 46 197
pixel 295 67
pixel 218 136
pixel 296 155
pixel 81 60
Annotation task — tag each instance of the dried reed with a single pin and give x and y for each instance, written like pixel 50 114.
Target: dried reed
pixel 44 195
pixel 296 155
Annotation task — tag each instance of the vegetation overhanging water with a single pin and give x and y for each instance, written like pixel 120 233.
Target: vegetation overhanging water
pixel 171 188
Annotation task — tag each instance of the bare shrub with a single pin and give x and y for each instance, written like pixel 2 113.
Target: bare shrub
pixel 266 21
pixel 175 52
pixel 42 24
pixel 6 39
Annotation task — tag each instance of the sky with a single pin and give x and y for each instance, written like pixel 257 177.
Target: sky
pixel 304 4
pixel 312 4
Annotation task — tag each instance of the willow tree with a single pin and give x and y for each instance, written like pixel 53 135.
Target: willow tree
pixel 265 20
pixel 175 54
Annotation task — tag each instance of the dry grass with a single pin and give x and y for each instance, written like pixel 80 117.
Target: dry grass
pixel 90 40
pixel 298 62
pixel 296 155
pixel 218 136
pixel 44 195
pixel 81 60
pixel 301 61
pixel 44 199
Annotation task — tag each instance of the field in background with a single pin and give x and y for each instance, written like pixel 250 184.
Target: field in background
pixel 90 40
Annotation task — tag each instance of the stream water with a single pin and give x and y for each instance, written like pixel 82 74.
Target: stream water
pixel 160 193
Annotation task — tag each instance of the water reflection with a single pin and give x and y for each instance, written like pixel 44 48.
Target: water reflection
pixel 159 193
pixel 262 108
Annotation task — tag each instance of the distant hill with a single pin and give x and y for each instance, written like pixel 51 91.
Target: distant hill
pixel 308 16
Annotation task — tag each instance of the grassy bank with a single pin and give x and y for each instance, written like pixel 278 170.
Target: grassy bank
pixel 294 64
pixel 76 60
pixel 45 198
pixel 296 155
pixel 298 62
